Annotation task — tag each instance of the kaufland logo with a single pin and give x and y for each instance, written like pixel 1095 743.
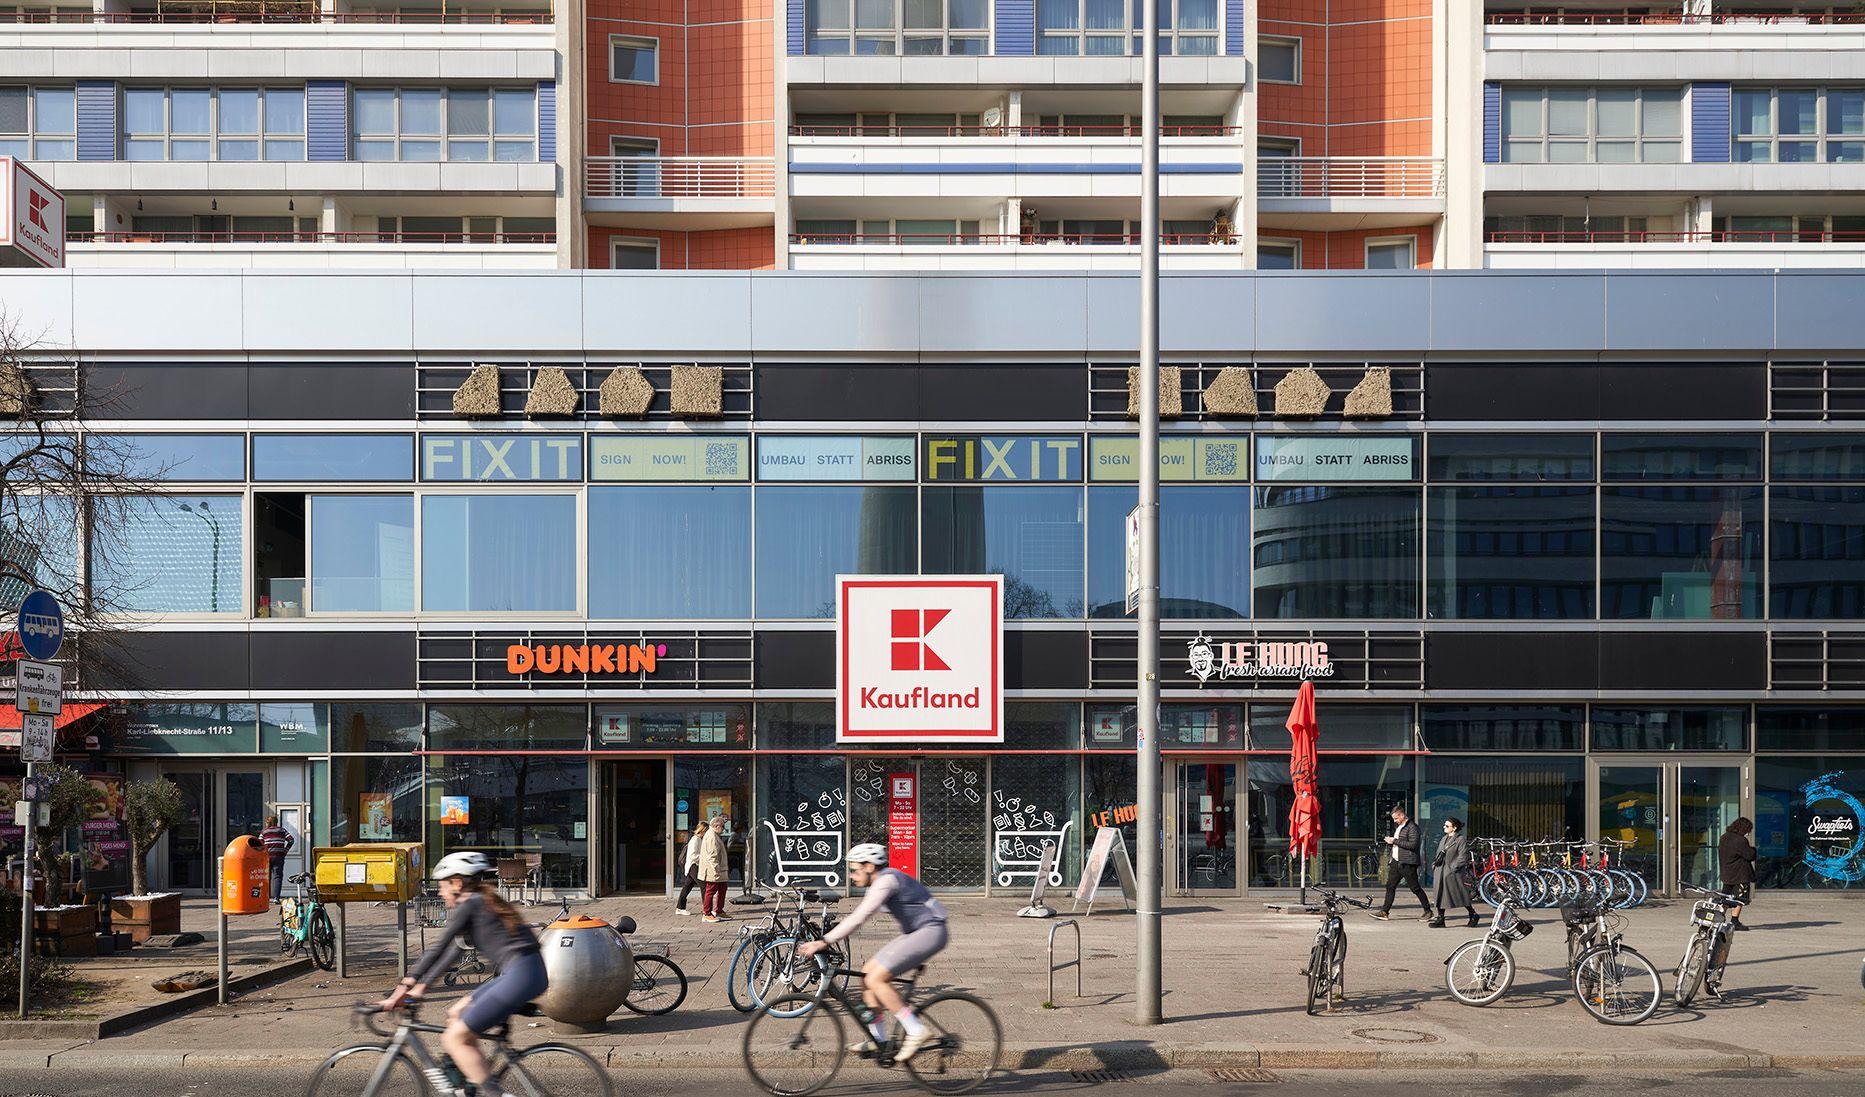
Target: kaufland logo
pixel 35 210
pixel 919 658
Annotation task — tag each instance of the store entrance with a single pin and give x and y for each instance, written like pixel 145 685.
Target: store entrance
pixel 1205 816
pixel 218 805
pixel 1672 811
pixel 634 826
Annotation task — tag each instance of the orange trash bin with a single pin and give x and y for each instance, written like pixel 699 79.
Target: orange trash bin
pixel 245 877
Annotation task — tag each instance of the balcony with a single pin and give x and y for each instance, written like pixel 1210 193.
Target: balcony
pixel 285 12
pixel 1635 45
pixel 1673 250
pixel 690 192
pixel 314 250
pixel 1532 17
pixel 1348 191
pixel 1028 162
pixel 996 251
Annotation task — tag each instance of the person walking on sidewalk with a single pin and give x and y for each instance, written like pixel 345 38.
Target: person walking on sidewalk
pixel 277 841
pixel 1403 868
pixel 712 870
pixel 689 869
pixel 1736 855
pixel 1451 882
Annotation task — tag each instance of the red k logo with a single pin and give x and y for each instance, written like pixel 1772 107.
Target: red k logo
pixel 35 206
pixel 910 629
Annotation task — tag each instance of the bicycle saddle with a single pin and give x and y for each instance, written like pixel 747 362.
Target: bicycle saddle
pixel 624 925
pixel 298 879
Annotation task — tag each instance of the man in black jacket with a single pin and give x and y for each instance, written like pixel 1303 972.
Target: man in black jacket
pixel 1402 846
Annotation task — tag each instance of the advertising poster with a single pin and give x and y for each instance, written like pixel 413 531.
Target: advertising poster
pixel 376 817
pixel 903 823
pixel 714 803
pixel 456 811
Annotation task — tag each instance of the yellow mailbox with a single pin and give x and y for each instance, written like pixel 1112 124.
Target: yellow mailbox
pixel 367 871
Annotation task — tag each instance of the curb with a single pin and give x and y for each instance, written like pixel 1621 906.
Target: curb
pixel 125 1020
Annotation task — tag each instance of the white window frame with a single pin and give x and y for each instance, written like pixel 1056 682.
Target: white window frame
pixel 892 41
pixel 214 138
pixel 1126 34
pixel 1409 242
pixel 32 135
pixel 635 41
pixel 634 242
pixel 1292 41
pixel 1294 247
pixel 444 139
pixel 1821 139
pixel 1544 140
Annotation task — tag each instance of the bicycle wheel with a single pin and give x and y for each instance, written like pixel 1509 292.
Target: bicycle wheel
pixel 780 971
pixel 322 938
pixel 792 1049
pixel 966 1046
pixel 287 942
pixel 553 1070
pixel 659 987
pixel 1479 972
pixel 738 975
pixel 1690 971
pixel 350 1072
pixel 1337 973
pixel 1617 986
pixel 1318 976
pixel 1499 887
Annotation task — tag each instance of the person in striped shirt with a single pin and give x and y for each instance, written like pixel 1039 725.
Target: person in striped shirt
pixel 277 841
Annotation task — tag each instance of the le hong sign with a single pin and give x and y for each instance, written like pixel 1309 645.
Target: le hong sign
pixel 919 659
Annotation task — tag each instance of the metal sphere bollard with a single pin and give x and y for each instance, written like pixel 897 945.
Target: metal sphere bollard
pixel 591 970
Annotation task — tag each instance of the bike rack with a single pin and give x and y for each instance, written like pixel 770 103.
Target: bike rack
pixel 1076 926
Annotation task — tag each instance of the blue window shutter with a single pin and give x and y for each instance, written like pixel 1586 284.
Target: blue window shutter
pixel 97 120
pixel 547 121
pixel 793 28
pixel 1492 122
pixel 1233 27
pixel 1016 28
pixel 1709 123
pixel 327 119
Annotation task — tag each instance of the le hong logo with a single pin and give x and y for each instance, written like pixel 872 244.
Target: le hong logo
pixel 919 658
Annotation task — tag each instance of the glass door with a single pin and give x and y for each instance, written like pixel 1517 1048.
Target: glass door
pixel 242 805
pixel 1709 798
pixel 1631 810
pixel 188 841
pixel 1672 811
pixel 1206 795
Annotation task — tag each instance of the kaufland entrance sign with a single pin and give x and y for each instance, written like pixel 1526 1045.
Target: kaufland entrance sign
pixel 32 219
pixel 919 658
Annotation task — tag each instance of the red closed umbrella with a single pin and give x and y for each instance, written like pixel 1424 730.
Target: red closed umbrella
pixel 1305 775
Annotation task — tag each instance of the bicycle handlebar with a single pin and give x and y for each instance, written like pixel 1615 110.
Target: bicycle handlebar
pixel 1714 894
pixel 1337 897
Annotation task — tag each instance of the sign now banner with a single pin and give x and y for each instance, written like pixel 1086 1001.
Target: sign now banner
pixel 919 658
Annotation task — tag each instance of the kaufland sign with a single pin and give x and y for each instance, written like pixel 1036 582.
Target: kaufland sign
pixel 33 231
pixel 919 658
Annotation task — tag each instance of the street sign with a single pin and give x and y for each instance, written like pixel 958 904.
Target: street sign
pixel 41 625
pixel 1133 560
pixel 35 790
pixel 37 734
pixel 41 687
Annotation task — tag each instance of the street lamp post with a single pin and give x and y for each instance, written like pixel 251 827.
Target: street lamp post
pixel 1147 991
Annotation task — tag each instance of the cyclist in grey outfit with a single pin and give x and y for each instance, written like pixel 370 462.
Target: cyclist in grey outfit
pixel 922 921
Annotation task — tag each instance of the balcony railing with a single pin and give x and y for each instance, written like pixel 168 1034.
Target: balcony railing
pixel 663 177
pixel 1783 236
pixel 1103 239
pixel 1630 18
pixel 285 15
pixel 133 237
pixel 1349 177
pixel 1010 131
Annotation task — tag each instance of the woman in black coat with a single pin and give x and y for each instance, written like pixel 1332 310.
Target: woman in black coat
pixel 1451 883
pixel 1735 855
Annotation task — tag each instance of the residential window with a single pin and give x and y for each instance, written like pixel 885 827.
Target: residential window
pixel 1799 125
pixel 1279 60
pixel 1392 254
pixel 1110 28
pixel 1555 227
pixel 634 255
pixel 362 553
pixel 1585 125
pixel 38 123
pixel 213 123
pixel 1032 535
pixel 634 60
pixel 457 124
pixel 889 27
pixel 504 553
pixel 171 554
pixel 1339 552
pixel 695 565
pixel 1278 255
pixel 808 535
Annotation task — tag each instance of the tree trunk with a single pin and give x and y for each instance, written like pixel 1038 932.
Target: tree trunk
pixel 139 871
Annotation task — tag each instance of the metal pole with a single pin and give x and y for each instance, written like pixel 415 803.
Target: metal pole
pixel 223 958
pixel 401 936
pixel 25 900
pixel 343 943
pixel 1147 1008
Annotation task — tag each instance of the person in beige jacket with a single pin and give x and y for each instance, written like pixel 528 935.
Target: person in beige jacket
pixel 713 872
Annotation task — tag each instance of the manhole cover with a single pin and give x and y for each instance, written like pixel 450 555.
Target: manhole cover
pixel 1244 1074
pixel 1096 1077
pixel 1395 1036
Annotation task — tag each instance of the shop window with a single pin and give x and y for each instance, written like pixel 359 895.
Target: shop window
pixel 670 552
pixel 1816 552
pixel 1807 822
pixel 294 728
pixel 953 817
pixel 371 727
pixel 341 458
pixel 1502 727
pixel 1510 457
pixel 498 553
pixel 507 727
pixel 802 836
pixel 1195 525
pixel 1670 729
pixel 1032 725
pixel 174 457
pixel 665 727
pixel 1030 535
pixel 1680 552
pixel 1793 727
pixel 1636 457
pixel 1342 552
pixel 512 806
pixel 1357 793
pixel 1527 799
pixel 1279 60
pixel 375 798
pixel 714 788
pixel 809 535
pixel 170 554
pixel 634 60
pixel 1035 802
pixel 1343 727
pixel 1817 457
pixel 1181 727
pixel 802 724
pixel 1515 551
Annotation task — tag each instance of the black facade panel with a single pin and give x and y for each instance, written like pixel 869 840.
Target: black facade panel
pixel 333 660
pixel 1002 392
pixel 851 392
pixel 794 660
pixel 1512 660
pixel 1045 660
pixel 199 391
pixel 1654 390
pixel 1683 660
pixel 1527 391
pixel 328 390
pixel 171 660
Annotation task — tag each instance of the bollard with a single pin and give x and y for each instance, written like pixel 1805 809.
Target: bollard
pixel 222 949
pixel 401 936
pixel 1052 956
pixel 343 950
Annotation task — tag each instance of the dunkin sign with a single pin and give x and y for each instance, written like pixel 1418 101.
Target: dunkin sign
pixel 919 658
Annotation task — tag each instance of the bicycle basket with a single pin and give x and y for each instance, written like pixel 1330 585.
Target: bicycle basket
pixel 1574 914
pixel 1514 927
pixel 1709 914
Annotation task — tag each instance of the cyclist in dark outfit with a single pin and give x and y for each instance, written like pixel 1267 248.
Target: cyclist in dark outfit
pixel 476 915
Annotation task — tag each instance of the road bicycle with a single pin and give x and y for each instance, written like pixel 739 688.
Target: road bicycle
pixel 792 1048
pixel 1481 970
pixel 659 984
pixel 1611 980
pixel 1713 918
pixel 1327 960
pixel 402 1065
pixel 303 923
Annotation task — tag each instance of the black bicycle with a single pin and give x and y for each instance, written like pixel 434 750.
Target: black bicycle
pixel 1327 960
pixel 402 1065
pixel 1611 979
pixel 1713 919
pixel 792 1048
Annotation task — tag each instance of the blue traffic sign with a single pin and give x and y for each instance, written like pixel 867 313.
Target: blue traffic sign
pixel 41 625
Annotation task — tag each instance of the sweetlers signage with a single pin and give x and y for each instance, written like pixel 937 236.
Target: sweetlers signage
pixel 919 658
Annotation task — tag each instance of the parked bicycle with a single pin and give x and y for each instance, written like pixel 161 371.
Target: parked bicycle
pixel 1480 971
pixel 751 940
pixel 1611 979
pixel 769 958
pixel 1327 960
pixel 792 1048
pixel 303 923
pixel 403 1065
pixel 1713 918
pixel 1558 873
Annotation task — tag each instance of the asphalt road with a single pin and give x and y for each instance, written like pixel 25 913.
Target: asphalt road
pixel 220 1082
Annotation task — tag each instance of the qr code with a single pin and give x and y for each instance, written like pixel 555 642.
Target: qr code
pixel 1220 459
pixel 721 459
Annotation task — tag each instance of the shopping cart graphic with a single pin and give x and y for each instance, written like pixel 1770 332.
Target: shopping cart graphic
pixel 806 855
pixel 1020 854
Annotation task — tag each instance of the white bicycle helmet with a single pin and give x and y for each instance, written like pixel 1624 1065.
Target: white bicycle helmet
pixel 463 864
pixel 872 853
